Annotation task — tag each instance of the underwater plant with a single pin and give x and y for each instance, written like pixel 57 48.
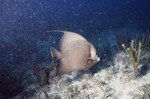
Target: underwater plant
pixel 42 75
pixel 145 41
pixel 106 49
pixel 134 55
pixel 122 39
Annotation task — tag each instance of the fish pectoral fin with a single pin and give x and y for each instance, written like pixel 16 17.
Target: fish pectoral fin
pixel 55 54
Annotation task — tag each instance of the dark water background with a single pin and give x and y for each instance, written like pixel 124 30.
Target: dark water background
pixel 24 24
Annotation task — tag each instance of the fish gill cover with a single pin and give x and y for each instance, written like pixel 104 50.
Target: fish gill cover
pixel 25 41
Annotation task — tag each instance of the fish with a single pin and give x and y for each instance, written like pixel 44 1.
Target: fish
pixel 75 54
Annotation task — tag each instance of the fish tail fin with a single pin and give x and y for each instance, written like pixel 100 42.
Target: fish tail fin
pixel 55 54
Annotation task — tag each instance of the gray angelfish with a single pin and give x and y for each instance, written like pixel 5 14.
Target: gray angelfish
pixel 76 53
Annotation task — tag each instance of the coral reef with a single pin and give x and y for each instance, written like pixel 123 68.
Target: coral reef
pixel 114 82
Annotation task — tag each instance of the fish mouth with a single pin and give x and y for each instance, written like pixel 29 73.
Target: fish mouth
pixel 96 60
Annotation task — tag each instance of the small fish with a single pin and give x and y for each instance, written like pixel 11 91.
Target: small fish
pixel 76 53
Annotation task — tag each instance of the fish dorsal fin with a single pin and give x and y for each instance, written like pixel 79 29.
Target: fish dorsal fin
pixel 69 37
pixel 55 54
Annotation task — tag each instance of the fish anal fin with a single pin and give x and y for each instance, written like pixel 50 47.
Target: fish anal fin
pixel 55 54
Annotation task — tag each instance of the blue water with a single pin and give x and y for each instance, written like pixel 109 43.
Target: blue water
pixel 24 26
